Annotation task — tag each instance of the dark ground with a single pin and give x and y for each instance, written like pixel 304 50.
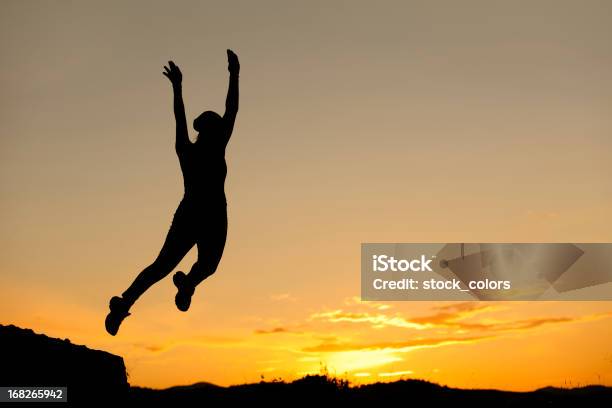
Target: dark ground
pixel 95 377
pixel 322 390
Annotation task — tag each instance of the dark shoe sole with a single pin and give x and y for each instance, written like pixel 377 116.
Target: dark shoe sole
pixel 117 314
pixel 183 295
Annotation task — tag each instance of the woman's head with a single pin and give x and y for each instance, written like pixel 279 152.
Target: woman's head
pixel 208 123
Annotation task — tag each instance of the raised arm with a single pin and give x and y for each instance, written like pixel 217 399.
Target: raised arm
pixel 231 103
pixel 176 78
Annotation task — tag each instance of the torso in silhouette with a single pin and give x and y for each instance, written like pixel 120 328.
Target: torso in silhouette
pixel 204 171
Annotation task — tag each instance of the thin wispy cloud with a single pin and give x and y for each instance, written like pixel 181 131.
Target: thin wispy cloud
pixel 277 330
pixel 459 317
pixel 451 315
pixel 377 320
pixel 400 346
pixel 396 373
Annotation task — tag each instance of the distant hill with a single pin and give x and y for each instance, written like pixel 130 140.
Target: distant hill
pixel 30 359
pixel 322 391
pixel 93 376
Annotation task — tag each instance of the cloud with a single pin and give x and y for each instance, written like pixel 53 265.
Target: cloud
pixel 401 346
pixel 154 348
pixel 378 320
pixel 469 308
pixel 272 331
pixel 396 373
pixel 452 316
pixel 282 330
pixel 537 322
pixel 447 316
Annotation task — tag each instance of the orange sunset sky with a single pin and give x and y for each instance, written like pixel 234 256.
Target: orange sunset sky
pixel 407 121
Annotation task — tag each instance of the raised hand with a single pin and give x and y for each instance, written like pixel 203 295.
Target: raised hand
pixel 233 66
pixel 173 73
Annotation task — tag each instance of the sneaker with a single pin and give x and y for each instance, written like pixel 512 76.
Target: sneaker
pixel 118 312
pixel 184 293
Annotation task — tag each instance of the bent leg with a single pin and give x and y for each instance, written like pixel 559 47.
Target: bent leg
pixel 179 241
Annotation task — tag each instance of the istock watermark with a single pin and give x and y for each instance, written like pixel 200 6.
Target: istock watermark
pixel 382 263
pixel 486 271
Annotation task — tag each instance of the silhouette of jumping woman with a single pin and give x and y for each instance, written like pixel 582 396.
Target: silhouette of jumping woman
pixel 201 217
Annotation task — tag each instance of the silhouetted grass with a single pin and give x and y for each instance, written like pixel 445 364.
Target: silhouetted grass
pixel 325 390
pixel 95 376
